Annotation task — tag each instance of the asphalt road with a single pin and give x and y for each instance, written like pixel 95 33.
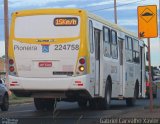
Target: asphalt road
pixel 68 113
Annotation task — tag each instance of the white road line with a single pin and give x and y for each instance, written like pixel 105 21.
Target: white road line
pixel 17 112
pixel 79 119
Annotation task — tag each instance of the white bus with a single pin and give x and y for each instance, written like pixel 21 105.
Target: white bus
pixel 71 54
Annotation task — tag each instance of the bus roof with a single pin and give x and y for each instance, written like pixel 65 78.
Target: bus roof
pixel 115 26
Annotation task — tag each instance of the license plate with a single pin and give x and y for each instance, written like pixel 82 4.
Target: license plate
pixel 45 64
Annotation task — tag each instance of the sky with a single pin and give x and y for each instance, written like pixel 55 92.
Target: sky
pixel 126 11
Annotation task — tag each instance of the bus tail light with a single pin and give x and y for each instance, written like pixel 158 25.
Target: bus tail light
pixel 82 61
pixel 11 61
pixel 81 68
pixel 11 68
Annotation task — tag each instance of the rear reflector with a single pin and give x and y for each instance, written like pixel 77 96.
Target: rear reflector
pixel 80 84
pixel 14 84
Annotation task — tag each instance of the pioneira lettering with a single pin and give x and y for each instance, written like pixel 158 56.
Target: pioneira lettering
pixel 25 48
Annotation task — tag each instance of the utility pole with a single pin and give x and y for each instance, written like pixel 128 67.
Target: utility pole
pixel 115 12
pixel 6 30
pixel 150 77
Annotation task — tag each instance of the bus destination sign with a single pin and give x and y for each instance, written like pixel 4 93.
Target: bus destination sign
pixel 66 21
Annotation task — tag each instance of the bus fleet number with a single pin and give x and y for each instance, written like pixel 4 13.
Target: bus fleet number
pixel 67 47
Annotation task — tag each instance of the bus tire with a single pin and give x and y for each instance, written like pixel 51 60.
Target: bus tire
pixel 106 101
pixel 132 101
pixel 82 103
pixel 50 104
pixel 39 103
pixel 94 103
pixel 103 103
pixel 43 103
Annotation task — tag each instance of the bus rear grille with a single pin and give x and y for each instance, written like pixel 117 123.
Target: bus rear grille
pixel 63 73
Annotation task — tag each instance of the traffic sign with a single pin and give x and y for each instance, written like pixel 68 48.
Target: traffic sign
pixel 147 21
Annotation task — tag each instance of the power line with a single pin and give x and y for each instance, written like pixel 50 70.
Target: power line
pixel 85 7
pixel 107 7
pixel 117 6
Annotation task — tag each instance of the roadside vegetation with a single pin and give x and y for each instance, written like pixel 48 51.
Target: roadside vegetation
pixel 18 100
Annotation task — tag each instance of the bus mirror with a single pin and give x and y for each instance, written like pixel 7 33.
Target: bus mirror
pixel 147 55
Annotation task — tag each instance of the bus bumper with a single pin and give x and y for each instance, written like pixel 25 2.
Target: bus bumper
pixel 50 85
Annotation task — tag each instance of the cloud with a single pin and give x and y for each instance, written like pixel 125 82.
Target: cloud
pixel 132 4
pixel 25 3
pixel 71 6
pixel 44 3
pixel 127 22
pixel 155 49
pixel 99 3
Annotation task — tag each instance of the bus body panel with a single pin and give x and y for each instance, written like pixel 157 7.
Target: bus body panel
pixel 46 55
pixel 43 63
pixel 123 83
pixel 34 60
pixel 50 84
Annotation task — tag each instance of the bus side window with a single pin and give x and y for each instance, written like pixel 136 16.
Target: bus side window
pixel 106 42
pixel 129 48
pixel 136 51
pixel 114 44
pixel 91 36
pixel 97 35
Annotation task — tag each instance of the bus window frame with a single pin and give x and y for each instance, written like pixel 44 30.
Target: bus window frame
pixel 127 48
pixel 106 42
pixel 114 44
pixel 136 51
pixel 91 41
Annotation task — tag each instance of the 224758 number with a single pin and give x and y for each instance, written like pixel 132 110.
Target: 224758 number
pixel 67 47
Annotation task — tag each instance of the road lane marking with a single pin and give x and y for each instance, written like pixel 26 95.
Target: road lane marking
pixel 79 119
pixel 17 112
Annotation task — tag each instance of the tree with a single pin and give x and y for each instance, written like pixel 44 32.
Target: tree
pixel 152 71
pixel 3 57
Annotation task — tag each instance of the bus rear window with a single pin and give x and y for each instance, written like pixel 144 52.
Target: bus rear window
pixel 43 26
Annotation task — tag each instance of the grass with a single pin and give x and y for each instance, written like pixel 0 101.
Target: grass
pixel 158 85
pixel 19 100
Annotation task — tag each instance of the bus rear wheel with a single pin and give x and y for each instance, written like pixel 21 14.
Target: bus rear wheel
pixel 102 103
pixel 43 103
pixel 82 103
pixel 106 101
pixel 132 101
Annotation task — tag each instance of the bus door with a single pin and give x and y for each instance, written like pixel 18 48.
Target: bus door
pixel 120 41
pixel 142 63
pixel 97 34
